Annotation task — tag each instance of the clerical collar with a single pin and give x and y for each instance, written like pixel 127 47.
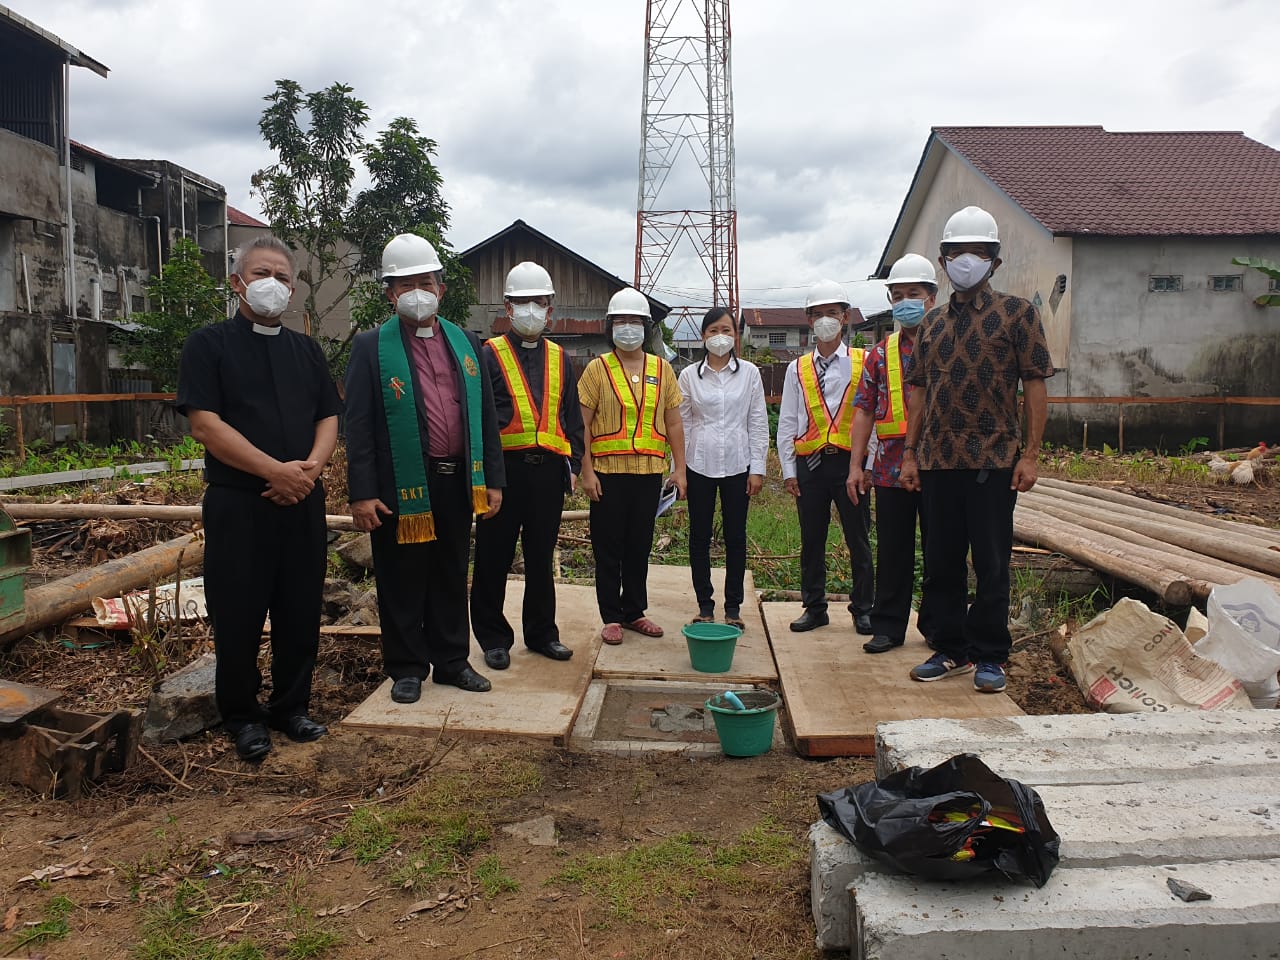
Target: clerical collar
pixel 529 344
pixel 267 331
pixel 425 332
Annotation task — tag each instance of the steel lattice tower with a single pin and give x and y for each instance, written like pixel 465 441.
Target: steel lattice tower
pixel 688 103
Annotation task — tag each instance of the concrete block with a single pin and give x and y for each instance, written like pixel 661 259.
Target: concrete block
pixel 1091 914
pixel 1096 748
pixel 1237 818
pixel 183 704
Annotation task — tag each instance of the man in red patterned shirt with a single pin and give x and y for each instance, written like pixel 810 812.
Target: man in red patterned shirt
pixel 881 404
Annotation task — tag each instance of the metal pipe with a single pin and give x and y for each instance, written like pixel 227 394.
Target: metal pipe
pixel 69 239
pixel 26 282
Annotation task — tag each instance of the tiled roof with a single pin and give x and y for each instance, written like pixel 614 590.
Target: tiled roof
pixel 1078 180
pixel 238 218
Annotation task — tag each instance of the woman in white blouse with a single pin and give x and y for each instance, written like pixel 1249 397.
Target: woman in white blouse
pixel 726 435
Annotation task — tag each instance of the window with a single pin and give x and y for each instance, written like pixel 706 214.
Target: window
pixel 777 338
pixel 1228 283
pixel 1273 286
pixel 1164 284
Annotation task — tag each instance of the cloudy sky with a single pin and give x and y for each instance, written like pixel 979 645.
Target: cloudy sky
pixel 536 106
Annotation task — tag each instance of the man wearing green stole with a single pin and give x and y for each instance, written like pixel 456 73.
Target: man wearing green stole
pixel 423 457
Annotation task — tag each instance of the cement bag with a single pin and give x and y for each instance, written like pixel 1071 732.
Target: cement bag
pixel 1130 660
pixel 1243 637
pixel 118 613
pixel 954 821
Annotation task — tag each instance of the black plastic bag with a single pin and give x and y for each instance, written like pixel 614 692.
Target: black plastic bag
pixel 954 821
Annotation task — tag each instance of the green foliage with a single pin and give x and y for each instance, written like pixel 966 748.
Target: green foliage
pixel 44 457
pixel 307 194
pixel 54 926
pixel 312 943
pixel 1269 267
pixel 185 298
pixel 172 930
pixel 366 835
pixel 1194 444
pixel 493 879
pixel 1108 450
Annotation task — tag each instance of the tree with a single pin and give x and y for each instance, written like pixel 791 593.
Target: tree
pixel 1271 269
pixel 185 298
pixel 307 196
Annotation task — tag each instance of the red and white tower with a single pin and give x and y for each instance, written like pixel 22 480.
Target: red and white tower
pixel 688 112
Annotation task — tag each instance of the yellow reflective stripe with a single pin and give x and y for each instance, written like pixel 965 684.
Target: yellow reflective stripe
pixel 894 424
pixel 550 434
pixel 822 431
pixel 638 433
pixel 521 432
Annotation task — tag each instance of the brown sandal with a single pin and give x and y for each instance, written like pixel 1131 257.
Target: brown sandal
pixel 611 633
pixel 736 622
pixel 644 626
pixel 701 619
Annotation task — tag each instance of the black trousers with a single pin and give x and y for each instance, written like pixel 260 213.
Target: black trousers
pixel 531 507
pixel 896 512
pixel 733 513
pixel 969 512
pixel 422 587
pixel 621 538
pixel 818 490
pixel 260 559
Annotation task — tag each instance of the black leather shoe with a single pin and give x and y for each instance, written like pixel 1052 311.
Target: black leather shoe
pixel 809 621
pixel 881 644
pixel 406 690
pixel 253 742
pixel 862 623
pixel 465 679
pixel 301 729
pixel 555 650
pixel 498 659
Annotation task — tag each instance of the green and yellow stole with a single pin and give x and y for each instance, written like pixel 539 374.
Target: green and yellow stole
pixel 408 459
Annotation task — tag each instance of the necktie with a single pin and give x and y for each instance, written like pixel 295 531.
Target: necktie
pixel 820 367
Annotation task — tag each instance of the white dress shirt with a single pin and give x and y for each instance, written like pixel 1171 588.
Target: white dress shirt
pixel 726 425
pixel 793 414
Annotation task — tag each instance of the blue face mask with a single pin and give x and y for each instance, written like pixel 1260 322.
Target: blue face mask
pixel 909 313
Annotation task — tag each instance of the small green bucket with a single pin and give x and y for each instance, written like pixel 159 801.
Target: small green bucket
pixel 711 645
pixel 747 732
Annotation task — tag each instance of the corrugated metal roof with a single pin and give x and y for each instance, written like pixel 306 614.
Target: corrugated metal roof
pixel 78 57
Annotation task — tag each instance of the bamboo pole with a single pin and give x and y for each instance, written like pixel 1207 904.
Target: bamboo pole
pixel 1126 499
pixel 1241 552
pixel 54 602
pixel 1108 555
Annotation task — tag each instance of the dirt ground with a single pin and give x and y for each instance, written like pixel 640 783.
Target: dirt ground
pixel 367 846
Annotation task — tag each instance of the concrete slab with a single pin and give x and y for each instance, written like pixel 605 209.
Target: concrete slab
pixel 1079 913
pixel 836 694
pixel 1095 748
pixel 671 606
pixel 535 697
pixel 1178 821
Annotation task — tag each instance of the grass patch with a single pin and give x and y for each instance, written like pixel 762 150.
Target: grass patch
pixel 366 835
pixel 493 879
pixel 172 930
pixel 54 926
pixel 312 943
pixel 644 883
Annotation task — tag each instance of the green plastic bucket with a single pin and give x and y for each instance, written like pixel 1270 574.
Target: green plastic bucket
pixel 747 732
pixel 711 645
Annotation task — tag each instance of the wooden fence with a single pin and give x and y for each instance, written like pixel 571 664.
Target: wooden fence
pixel 82 400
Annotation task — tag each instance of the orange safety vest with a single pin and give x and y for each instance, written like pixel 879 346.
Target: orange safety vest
pixel 639 432
pixel 526 430
pixel 894 423
pixel 824 431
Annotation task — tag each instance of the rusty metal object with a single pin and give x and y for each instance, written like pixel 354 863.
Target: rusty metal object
pixel 59 752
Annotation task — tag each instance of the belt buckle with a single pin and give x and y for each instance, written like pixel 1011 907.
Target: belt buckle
pixel 446 468
pixel 533 458
pixel 830 450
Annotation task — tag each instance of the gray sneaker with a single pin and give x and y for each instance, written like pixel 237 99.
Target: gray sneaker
pixel 938 666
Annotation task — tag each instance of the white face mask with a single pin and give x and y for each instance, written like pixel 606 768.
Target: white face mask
pixel 628 337
pixel 417 305
pixel 720 344
pixel 968 270
pixel 826 329
pixel 528 319
pixel 267 297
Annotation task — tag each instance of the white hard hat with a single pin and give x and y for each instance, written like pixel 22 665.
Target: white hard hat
pixel 912 268
pixel 824 292
pixel 408 255
pixel 527 279
pixel 971 225
pixel 629 302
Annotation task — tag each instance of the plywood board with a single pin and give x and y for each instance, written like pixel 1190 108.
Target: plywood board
pixel 671 606
pixel 835 693
pixel 535 697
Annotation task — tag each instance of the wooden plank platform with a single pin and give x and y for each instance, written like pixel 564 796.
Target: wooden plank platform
pixel 535 697
pixel 671 606
pixel 835 694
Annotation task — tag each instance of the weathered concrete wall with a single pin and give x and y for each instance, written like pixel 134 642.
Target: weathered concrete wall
pixel 31 185
pixel 1128 341
pixel 27 340
pixel 1033 258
